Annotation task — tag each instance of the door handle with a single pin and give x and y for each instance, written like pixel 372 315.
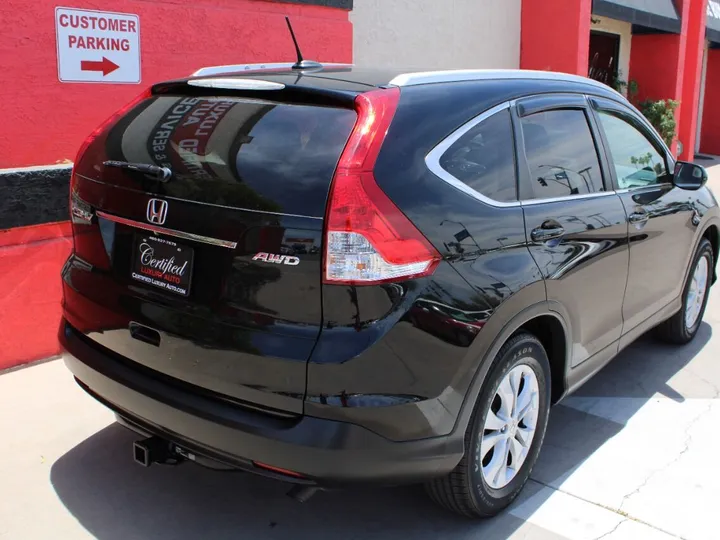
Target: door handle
pixel 638 217
pixel 543 234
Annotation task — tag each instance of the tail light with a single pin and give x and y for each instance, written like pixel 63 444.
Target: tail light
pixel 368 239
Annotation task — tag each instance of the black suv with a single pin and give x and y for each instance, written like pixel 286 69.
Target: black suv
pixel 332 276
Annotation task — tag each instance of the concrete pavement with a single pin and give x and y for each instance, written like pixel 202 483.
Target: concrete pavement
pixel 67 472
pixel 633 455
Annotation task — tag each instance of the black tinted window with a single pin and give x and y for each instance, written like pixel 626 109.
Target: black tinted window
pixel 561 154
pixel 484 158
pixel 637 162
pixel 237 152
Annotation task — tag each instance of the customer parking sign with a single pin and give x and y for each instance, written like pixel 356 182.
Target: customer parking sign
pixel 97 46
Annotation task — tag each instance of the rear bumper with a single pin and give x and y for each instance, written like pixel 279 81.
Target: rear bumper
pixel 324 452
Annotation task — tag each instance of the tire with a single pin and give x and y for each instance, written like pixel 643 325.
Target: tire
pixel 676 329
pixel 466 490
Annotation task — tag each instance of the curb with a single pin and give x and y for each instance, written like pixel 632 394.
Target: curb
pixel 29 364
pixel 35 241
pixel 34 195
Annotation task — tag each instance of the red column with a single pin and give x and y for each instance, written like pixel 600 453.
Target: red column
pixel 710 139
pixel 669 66
pixel 555 35
pixel 657 62
pixel 690 101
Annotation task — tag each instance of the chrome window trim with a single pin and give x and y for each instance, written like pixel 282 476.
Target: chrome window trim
pixel 460 75
pixel 432 160
pixel 241 68
pixel 170 232
pixel 596 195
pixel 643 189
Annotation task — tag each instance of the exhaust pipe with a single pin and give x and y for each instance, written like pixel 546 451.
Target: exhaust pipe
pixel 154 450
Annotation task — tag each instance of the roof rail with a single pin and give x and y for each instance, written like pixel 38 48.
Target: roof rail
pixel 251 68
pixel 459 75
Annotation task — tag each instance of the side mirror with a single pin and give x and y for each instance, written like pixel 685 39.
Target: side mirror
pixel 689 176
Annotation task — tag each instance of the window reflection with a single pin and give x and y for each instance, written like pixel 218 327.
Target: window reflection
pixel 484 158
pixel 637 163
pixel 561 154
pixel 245 153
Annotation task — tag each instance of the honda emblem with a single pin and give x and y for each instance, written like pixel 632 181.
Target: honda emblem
pixel 157 211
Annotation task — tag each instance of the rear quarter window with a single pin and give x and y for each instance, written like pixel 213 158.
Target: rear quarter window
pixel 484 158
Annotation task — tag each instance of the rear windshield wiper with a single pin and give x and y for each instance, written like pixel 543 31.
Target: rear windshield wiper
pixel 161 174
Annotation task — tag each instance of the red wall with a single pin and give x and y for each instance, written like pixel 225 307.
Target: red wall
pixel 669 66
pixel 555 35
pixel 49 119
pixel 656 64
pixel 30 292
pixel 710 137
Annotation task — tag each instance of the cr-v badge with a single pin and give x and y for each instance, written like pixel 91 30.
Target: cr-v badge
pixel 276 259
pixel 157 211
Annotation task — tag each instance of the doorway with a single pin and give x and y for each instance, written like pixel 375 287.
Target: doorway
pixel 604 57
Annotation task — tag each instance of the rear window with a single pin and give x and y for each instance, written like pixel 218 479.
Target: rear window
pixel 238 152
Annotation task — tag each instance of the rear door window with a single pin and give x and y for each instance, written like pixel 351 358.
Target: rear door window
pixel 561 154
pixel 484 158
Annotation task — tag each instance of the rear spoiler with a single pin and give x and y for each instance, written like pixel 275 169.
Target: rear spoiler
pixel 256 88
pixel 255 68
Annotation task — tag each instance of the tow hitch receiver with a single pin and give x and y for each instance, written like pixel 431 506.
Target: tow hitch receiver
pixel 155 450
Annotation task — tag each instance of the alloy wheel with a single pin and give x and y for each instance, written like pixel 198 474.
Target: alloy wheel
pixel 696 292
pixel 510 426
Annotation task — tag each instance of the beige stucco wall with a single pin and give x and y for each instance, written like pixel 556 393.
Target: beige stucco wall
pixel 624 30
pixel 436 34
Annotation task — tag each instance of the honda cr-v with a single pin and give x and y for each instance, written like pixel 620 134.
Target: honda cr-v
pixel 333 276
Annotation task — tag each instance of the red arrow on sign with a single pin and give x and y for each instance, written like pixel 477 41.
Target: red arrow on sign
pixel 106 66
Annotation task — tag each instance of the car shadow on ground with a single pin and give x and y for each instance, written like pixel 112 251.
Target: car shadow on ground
pixel 114 499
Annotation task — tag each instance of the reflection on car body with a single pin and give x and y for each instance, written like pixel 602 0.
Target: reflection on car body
pixel 452 324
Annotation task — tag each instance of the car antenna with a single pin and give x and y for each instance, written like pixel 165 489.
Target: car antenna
pixel 301 62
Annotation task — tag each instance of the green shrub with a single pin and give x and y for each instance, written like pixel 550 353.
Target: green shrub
pixel 661 114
